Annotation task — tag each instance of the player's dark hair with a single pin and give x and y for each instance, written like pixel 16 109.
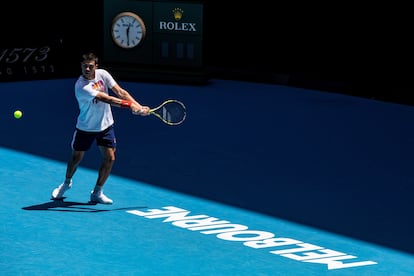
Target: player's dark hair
pixel 90 57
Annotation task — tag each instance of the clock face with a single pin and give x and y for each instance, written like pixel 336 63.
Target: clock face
pixel 128 30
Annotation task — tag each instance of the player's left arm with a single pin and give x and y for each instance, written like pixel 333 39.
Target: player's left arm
pixel 125 95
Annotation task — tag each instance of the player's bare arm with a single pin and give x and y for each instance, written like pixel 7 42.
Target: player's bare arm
pixel 123 94
pixel 135 107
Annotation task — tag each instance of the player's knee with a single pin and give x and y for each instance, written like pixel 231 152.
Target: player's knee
pixel 110 159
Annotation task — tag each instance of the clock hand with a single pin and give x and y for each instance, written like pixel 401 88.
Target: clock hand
pixel 127 33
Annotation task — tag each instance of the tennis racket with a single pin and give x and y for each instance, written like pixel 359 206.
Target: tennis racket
pixel 171 112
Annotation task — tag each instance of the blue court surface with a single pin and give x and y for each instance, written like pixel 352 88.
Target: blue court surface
pixel 261 179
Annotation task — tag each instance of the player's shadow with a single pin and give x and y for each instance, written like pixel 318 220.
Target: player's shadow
pixel 71 206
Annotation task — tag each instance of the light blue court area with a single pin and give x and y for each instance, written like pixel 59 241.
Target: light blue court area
pixel 154 231
pixel 259 180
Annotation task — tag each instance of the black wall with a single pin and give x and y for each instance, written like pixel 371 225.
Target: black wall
pixel 340 47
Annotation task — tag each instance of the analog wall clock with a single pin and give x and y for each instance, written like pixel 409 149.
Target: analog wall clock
pixel 127 30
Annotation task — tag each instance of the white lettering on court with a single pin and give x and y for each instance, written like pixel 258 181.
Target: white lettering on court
pixel 225 230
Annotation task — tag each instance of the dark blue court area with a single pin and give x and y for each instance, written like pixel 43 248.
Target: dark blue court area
pixel 260 179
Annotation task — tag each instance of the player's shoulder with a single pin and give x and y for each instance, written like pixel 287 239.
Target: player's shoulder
pixel 102 71
pixel 105 75
pixel 80 80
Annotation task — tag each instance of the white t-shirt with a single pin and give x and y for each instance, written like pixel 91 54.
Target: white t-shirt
pixel 94 115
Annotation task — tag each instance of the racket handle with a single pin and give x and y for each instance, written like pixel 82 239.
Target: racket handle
pixel 140 112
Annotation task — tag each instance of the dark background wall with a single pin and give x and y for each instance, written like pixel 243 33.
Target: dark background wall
pixel 339 47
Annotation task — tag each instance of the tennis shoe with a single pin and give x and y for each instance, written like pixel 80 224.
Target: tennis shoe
pixel 100 198
pixel 58 192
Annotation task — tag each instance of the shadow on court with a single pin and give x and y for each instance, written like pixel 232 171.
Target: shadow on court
pixel 70 206
pixel 338 163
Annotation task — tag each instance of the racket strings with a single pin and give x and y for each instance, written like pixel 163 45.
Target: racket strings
pixel 171 112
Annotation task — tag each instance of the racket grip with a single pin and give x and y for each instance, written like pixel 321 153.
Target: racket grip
pixel 139 112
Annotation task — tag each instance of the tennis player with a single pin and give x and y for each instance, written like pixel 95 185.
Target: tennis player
pixel 95 123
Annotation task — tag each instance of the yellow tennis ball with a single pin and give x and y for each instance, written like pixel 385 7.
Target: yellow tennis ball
pixel 18 114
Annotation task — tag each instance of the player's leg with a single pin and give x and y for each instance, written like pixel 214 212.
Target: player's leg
pixel 81 142
pixel 107 146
